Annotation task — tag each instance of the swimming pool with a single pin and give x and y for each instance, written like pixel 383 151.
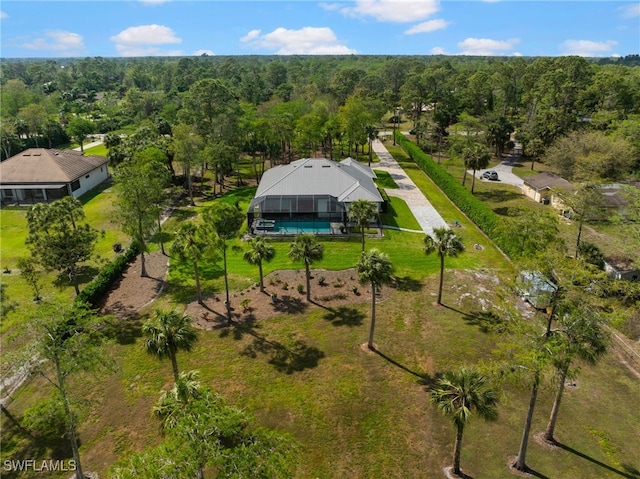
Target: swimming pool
pixel 295 227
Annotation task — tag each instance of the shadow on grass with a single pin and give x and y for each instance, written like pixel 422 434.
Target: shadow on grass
pixel 289 304
pixel 24 444
pixel 124 331
pixel 296 356
pixel 486 321
pixel 423 378
pixel 497 196
pixel 344 316
pixel 630 472
pixel 407 283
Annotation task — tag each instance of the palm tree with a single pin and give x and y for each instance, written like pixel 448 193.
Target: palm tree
pixel 361 212
pixel 171 403
pixel 459 393
pixel 169 332
pixel 226 221
pixel 260 251
pixel 583 337
pixel 446 243
pixel 476 157
pixel 374 268
pixel 305 248
pixel 190 245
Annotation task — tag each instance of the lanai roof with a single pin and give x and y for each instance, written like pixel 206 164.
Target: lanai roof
pixel 347 181
pixel 42 165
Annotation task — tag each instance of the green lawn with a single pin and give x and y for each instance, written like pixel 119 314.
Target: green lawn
pixel 355 414
pixel 384 180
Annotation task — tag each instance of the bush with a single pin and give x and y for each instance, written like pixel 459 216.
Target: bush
pixel 477 211
pixel 300 288
pixel 96 289
pixel 322 281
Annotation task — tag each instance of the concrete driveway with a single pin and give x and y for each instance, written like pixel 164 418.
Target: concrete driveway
pixel 504 170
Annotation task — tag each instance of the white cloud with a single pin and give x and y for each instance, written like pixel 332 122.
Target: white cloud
pixel 438 51
pixel 252 35
pixel 630 11
pixel 394 11
pixel 144 40
pixel 426 27
pixel 3 15
pixel 486 46
pixel 154 2
pixel 306 41
pixel 199 53
pixel 587 48
pixel 490 1
pixel 65 43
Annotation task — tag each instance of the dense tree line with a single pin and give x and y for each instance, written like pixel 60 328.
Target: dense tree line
pixel 275 109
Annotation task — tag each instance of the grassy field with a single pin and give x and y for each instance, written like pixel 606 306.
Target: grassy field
pixel 354 413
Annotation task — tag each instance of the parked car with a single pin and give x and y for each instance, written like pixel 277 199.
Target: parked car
pixel 490 175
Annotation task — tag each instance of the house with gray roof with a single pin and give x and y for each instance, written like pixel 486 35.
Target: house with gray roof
pixel 41 175
pixel 540 187
pixel 315 192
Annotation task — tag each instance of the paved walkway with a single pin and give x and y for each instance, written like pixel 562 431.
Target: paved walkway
pixel 425 213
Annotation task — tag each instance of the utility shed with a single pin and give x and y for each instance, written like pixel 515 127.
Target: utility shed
pixel 536 288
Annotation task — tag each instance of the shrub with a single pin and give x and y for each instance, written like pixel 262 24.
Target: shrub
pixel 322 281
pixel 96 289
pixel 300 288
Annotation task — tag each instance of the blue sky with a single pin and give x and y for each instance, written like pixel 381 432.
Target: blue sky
pixel 394 27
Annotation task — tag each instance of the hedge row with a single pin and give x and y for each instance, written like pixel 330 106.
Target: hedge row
pixel 476 210
pixel 96 289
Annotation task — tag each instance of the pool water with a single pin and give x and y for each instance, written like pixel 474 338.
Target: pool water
pixel 295 227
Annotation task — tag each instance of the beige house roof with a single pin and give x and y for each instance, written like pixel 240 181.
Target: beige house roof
pixel 547 180
pixel 42 165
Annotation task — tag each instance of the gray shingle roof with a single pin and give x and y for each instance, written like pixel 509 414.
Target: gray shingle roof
pixel 347 181
pixel 545 180
pixel 41 165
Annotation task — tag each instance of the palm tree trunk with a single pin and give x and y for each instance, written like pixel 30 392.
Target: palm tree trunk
pixel 143 266
pixel 261 279
pixel 464 176
pixel 196 273
pixel 362 229
pixel 226 281
pixel 520 463
pixel 578 239
pixel 456 450
pixel 308 274
pixel 373 316
pixel 441 279
pixel 548 434
pixel 473 181
pixel 174 364
pixel 160 235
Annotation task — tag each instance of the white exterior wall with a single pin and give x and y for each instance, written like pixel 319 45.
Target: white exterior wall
pixel 91 180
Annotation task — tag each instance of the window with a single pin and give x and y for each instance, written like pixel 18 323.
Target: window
pixel 87 176
pixel 75 185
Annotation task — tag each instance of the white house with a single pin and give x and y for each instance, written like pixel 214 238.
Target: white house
pixel 41 175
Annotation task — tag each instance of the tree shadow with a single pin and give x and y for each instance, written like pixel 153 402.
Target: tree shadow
pixel 497 195
pixel 407 283
pixel 486 321
pixel 423 378
pixel 630 472
pixel 123 331
pixel 297 356
pixel 344 316
pixel 289 304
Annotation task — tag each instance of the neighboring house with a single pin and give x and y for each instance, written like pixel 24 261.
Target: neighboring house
pixel 541 188
pixel 614 200
pixel 314 190
pixel 40 175
pixel 622 268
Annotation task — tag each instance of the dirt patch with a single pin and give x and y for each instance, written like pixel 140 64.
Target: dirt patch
pixel 133 291
pixel 285 292
pixel 332 290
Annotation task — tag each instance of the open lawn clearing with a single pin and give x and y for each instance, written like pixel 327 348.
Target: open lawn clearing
pixel 354 413
pixel 384 180
pixel 398 214
pixel 98 150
